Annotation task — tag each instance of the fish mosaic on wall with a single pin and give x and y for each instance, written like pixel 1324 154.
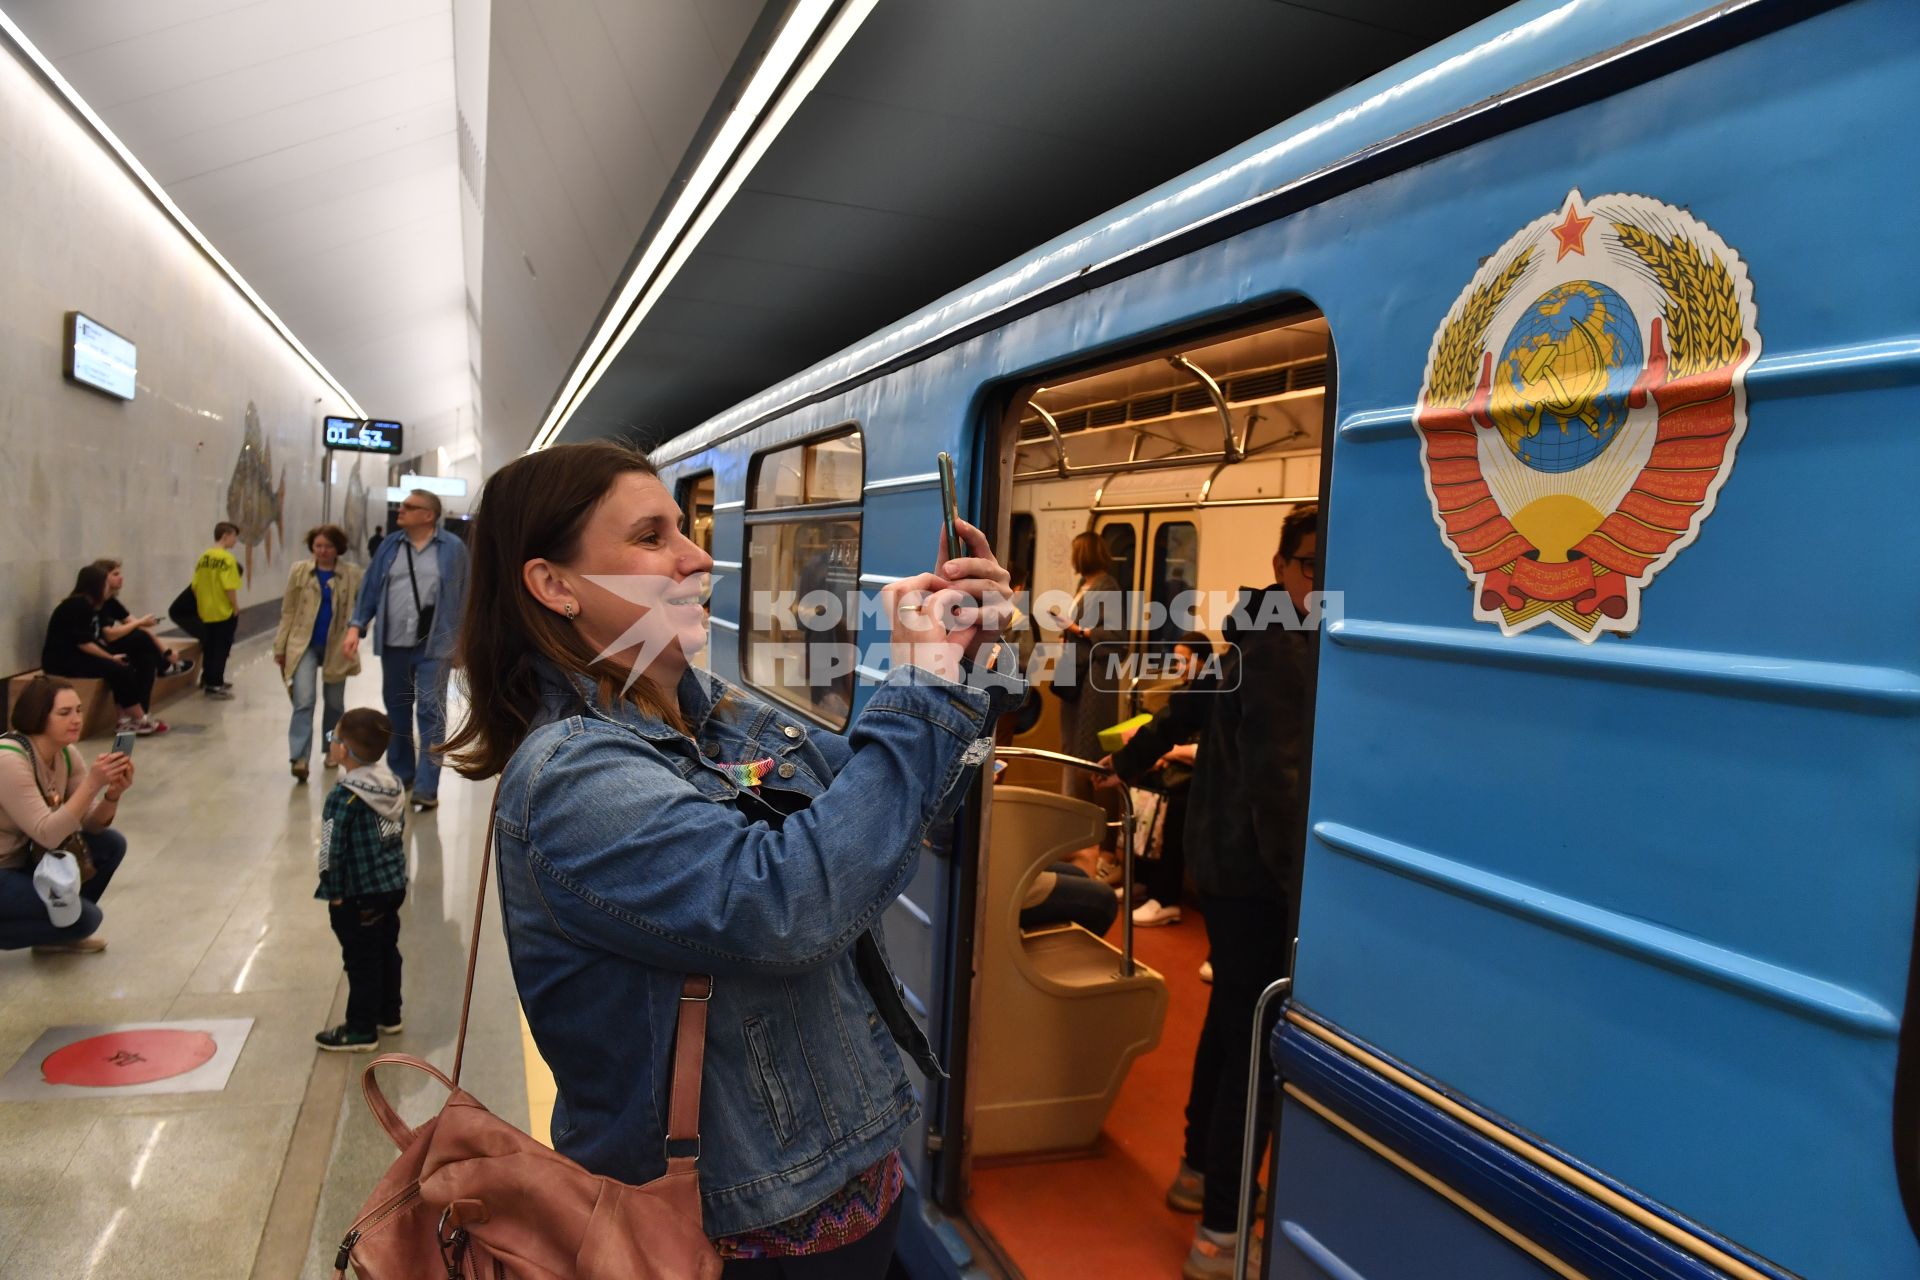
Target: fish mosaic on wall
pixel 252 501
pixel 354 518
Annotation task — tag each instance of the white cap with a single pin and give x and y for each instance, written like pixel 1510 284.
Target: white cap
pixel 57 881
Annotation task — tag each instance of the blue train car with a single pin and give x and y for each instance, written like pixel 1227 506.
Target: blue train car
pixel 1594 331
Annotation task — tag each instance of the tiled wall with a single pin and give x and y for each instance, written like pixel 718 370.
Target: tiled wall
pixel 83 475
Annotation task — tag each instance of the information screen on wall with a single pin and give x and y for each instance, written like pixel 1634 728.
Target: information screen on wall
pixel 98 357
pixel 363 435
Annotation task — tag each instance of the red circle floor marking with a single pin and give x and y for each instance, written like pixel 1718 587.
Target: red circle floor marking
pixel 128 1057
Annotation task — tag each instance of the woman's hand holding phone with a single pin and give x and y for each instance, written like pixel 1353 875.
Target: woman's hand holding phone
pixel 939 619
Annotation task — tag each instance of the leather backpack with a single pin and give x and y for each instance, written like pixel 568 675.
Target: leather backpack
pixel 473 1198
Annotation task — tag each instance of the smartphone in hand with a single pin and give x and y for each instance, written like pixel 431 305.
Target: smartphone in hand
pixel 123 742
pixel 950 510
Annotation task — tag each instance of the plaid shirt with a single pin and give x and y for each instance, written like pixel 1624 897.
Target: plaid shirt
pixel 360 851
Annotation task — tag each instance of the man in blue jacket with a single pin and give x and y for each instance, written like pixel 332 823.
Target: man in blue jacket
pixel 417 587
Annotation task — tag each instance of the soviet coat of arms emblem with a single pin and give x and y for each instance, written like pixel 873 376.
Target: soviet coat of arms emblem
pixel 1581 407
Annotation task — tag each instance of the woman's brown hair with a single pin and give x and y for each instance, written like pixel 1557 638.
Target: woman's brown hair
pixel 91 582
pixel 534 508
pixel 1090 555
pixel 35 704
pixel 332 533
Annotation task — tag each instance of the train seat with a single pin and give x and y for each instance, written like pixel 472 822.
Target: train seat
pixel 1058 1024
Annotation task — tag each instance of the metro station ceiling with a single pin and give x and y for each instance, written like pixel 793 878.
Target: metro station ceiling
pixel 324 149
pixel 314 145
pixel 950 137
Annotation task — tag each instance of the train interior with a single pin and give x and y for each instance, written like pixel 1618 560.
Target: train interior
pixel 1183 460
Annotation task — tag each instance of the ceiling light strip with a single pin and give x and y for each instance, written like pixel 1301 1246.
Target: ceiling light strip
pixel 160 197
pixel 744 137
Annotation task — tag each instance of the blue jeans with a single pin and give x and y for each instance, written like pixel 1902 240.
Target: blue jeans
pixel 1077 898
pixel 306 673
pixel 414 686
pixel 23 917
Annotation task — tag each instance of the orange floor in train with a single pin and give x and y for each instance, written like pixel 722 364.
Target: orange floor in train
pixel 1104 1215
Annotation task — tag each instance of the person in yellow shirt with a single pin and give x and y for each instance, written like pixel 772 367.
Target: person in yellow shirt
pixel 216 594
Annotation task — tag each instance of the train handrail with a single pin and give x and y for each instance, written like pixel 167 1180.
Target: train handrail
pixel 1126 838
pixel 1248 1140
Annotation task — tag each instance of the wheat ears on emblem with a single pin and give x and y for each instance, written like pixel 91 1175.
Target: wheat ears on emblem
pixel 1703 318
pixel 1456 365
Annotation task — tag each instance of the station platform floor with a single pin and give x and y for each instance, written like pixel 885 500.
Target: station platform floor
pixel 212 916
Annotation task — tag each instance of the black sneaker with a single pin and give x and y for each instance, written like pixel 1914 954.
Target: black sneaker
pixel 220 691
pixel 344 1039
pixel 179 668
pixel 393 1028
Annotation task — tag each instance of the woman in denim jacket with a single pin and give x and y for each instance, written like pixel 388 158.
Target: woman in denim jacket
pixel 655 821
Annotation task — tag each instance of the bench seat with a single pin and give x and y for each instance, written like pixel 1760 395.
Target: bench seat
pixel 102 715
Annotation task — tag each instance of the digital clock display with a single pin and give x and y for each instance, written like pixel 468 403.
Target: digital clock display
pixel 363 435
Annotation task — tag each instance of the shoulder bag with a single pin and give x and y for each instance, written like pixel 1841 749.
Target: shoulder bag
pixel 473 1198
pixel 424 611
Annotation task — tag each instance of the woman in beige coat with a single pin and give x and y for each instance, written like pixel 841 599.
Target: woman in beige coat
pixel 314 618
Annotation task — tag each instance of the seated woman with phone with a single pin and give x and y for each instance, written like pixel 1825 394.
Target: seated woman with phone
pixel 124 632
pixel 76 648
pixel 50 805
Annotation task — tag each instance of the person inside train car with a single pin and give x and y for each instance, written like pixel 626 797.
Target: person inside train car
pixel 655 821
pixel 75 648
pixel 1163 879
pixel 415 586
pixel 1066 894
pixel 124 633
pixel 1094 617
pixel 1245 812
pixel 51 803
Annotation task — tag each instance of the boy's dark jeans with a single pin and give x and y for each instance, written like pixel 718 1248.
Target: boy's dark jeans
pixel 215 645
pixel 369 931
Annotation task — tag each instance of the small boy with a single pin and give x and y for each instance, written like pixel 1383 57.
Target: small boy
pixel 363 877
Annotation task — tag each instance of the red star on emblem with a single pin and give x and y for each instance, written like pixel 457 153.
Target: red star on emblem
pixel 1572 234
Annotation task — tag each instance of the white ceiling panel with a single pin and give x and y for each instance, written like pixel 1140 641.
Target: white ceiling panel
pixel 62 30
pixel 210 101
pixel 392 101
pixel 116 71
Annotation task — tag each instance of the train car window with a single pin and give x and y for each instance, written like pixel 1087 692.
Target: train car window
pixel 1175 571
pixel 803 575
pixel 1022 538
pixel 831 470
pixel 1123 545
pixel 695 496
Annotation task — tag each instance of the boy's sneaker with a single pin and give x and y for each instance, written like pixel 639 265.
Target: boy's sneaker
pixel 1212 1256
pixel 179 668
pixel 1188 1190
pixel 393 1028
pixel 150 726
pixel 1151 913
pixel 344 1039
pixel 221 691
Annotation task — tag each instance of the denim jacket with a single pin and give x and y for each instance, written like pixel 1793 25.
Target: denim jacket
pixel 629 858
pixel 453 564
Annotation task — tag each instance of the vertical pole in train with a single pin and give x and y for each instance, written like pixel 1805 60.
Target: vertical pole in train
pixel 1250 1142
